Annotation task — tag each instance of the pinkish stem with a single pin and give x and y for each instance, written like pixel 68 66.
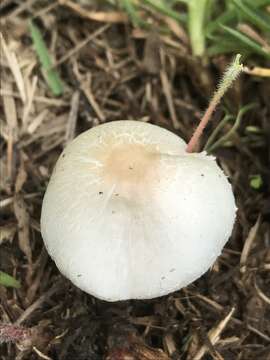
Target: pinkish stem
pixel 204 121
pixel 13 333
pixel 230 75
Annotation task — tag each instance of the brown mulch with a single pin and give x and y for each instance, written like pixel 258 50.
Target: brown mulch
pixel 112 71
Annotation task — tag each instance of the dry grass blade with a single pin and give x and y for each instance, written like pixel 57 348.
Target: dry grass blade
pixel 177 29
pixel 10 200
pixel 257 71
pixel 167 92
pixel 151 56
pixel 72 119
pixel 40 354
pixel 7 233
pixel 86 88
pixel 21 8
pixel 136 350
pixel 14 67
pixel 248 243
pixel 101 16
pixel 38 303
pixel 265 298
pixel 249 31
pixel 11 119
pixel 218 308
pixel 114 70
pixel 138 33
pixel 38 99
pixel 23 219
pixel 169 344
pixel 83 43
pixel 21 178
pixel 10 109
pixel 214 335
pixel 45 10
pixel 37 121
pixel 28 106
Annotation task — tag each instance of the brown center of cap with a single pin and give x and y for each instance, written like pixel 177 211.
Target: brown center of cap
pixel 130 167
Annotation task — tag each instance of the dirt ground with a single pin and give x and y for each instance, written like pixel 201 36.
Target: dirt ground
pixel 111 70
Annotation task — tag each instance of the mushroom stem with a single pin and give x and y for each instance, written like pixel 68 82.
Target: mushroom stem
pixel 229 76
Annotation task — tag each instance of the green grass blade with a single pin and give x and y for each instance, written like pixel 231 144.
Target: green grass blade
pixel 246 41
pixel 9 281
pixel 164 8
pixel 51 76
pixel 217 129
pixel 132 12
pixel 226 17
pixel 224 45
pixel 181 1
pixel 257 3
pixel 196 19
pixel 233 129
pixel 255 16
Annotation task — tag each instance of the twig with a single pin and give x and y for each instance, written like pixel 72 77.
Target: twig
pixel 33 307
pixel 44 10
pixel 25 5
pixel 217 307
pixel 81 45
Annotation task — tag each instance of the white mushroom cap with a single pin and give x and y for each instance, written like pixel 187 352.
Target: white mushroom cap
pixel 129 214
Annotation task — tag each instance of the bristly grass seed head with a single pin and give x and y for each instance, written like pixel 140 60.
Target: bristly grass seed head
pixel 228 78
pixel 231 74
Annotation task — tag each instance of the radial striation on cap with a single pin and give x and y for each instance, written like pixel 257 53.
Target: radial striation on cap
pixel 129 214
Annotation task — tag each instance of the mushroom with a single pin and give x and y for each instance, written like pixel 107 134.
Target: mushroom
pixel 130 214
